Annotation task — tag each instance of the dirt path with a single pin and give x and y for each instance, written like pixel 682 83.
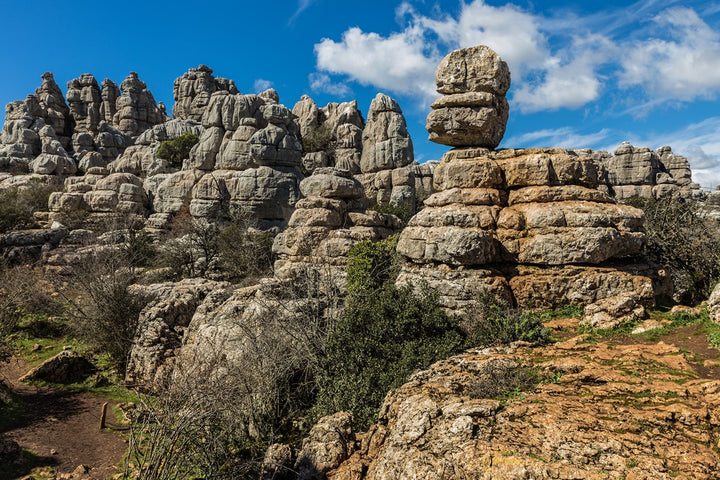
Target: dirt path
pixel 63 422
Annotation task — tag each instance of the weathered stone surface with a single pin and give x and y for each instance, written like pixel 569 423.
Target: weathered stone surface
pixel 84 100
pixel 136 107
pixel 613 311
pixel 474 111
pixel 65 367
pixel 386 141
pixel 713 304
pixel 328 444
pixel 442 425
pixel 475 69
pixel 161 326
pixel 331 183
pixel 514 207
pixel 327 223
pixel 193 89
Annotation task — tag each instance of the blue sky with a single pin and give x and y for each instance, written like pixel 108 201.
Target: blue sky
pixel 582 75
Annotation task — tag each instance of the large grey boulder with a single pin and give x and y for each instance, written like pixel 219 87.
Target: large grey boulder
pixel 473 111
pixel 65 367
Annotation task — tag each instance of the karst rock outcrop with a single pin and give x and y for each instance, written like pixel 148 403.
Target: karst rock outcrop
pixel 327 223
pixel 627 411
pixel 528 225
pixel 193 89
pixel 639 171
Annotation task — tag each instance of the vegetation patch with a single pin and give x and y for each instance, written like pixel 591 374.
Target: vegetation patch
pixel 177 149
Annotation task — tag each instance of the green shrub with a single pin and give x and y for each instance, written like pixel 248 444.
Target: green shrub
pixel 380 341
pixel 318 140
pixel 372 264
pixel 495 322
pixel 403 212
pixel 177 149
pixel 385 334
pixel 17 205
pixel 683 243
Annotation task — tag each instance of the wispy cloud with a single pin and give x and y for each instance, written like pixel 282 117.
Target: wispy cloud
pixel 302 6
pixel 560 60
pixel 565 137
pixel 321 82
pixel 261 85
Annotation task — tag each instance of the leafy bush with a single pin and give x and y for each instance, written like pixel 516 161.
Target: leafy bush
pixel 318 140
pixel 18 204
pixel 683 243
pixel 372 264
pixel 496 322
pixel 385 334
pixel 177 149
pixel 403 212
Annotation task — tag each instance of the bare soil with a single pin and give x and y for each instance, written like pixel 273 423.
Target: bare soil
pixel 62 427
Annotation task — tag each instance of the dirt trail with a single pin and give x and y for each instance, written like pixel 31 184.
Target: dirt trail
pixel 64 422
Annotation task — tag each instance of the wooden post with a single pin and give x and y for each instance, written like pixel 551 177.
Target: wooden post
pixel 103 415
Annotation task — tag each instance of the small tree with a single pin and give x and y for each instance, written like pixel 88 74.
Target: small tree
pixel 683 243
pixel 177 149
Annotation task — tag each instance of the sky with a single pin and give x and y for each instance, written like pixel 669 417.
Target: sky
pixel 584 74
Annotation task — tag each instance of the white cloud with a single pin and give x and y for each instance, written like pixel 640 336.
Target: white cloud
pixel 261 85
pixel 684 67
pixel 321 82
pixel 564 137
pixel 399 63
pixel 405 62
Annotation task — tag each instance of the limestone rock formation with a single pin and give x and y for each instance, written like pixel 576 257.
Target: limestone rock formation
pixel 20 138
pixel 100 193
pixel 249 157
pixel 136 107
pixel 495 215
pixel 329 221
pixel 407 186
pixel 332 135
pixel 520 207
pixel 473 110
pixel 84 99
pixel 55 111
pixel 141 158
pixel 161 326
pixel 713 304
pixel 193 89
pixel 329 443
pixel 624 411
pixel 65 367
pixel 640 171
pixel 386 141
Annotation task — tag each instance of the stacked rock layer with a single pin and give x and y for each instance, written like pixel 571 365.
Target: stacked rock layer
pixel 329 221
pixel 528 225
